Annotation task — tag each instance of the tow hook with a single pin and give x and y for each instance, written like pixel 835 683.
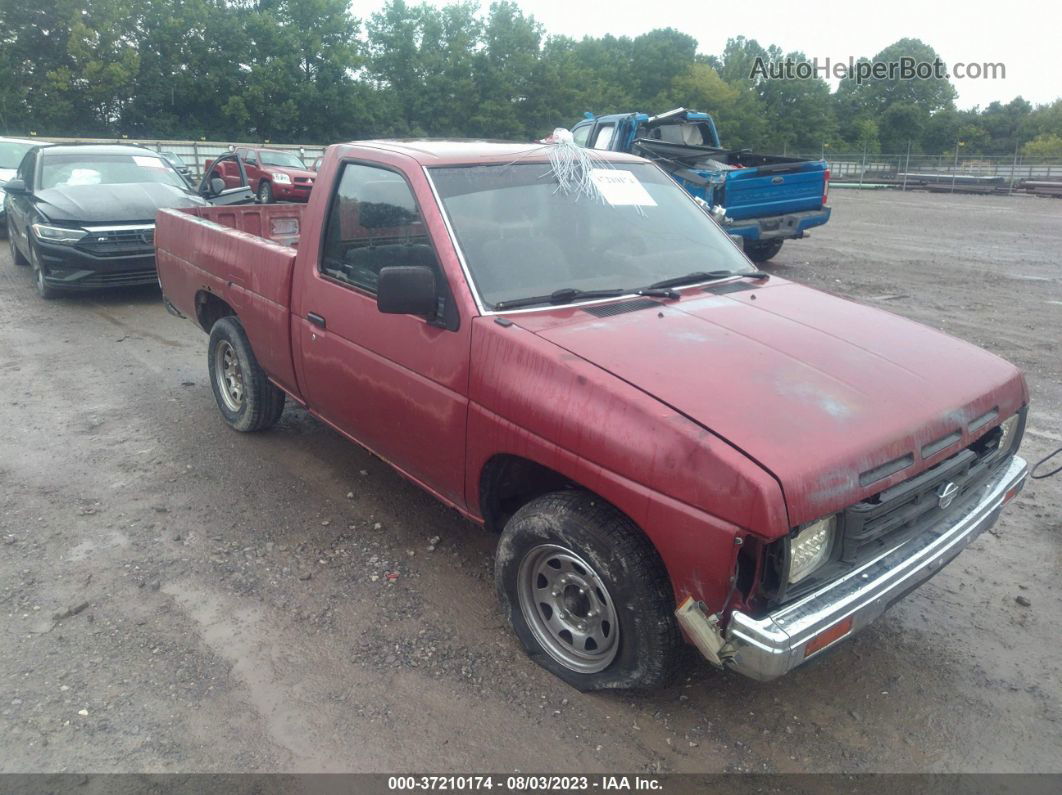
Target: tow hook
pixel 705 630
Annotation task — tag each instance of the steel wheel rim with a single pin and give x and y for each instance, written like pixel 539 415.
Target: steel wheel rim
pixel 568 609
pixel 229 376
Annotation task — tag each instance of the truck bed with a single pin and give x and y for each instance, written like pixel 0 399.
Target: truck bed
pixel 749 185
pixel 243 255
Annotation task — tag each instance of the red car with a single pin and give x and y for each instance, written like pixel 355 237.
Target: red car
pixel 273 174
pixel 670 443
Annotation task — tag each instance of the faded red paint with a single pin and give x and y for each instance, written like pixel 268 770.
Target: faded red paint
pixel 715 417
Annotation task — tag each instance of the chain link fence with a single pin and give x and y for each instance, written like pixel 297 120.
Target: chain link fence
pixel 196 153
pixel 955 172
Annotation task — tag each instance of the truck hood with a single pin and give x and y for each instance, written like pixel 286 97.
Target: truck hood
pixel 819 390
pixel 121 203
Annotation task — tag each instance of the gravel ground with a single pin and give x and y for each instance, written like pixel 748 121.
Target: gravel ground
pixel 178 597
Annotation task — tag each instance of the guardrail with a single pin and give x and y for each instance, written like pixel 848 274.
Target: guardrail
pixel 946 173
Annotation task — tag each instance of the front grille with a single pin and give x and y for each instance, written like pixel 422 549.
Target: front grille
pixel 896 514
pixel 120 278
pixel 119 241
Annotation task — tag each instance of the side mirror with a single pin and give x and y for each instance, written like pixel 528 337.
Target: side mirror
pixel 406 290
pixel 14 186
pixel 217 185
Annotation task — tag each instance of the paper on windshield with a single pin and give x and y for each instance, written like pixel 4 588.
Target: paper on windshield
pixel 620 187
pixel 148 162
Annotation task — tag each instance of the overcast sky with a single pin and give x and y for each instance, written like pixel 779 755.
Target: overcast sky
pixel 1022 34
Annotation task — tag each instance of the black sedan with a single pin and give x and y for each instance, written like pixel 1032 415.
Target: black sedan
pixel 83 216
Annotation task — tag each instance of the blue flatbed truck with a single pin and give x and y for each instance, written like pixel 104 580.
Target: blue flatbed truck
pixel 764 199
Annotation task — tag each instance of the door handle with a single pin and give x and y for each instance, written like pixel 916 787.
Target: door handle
pixel 316 319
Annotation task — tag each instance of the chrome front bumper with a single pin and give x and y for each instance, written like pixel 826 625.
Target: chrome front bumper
pixel 766 648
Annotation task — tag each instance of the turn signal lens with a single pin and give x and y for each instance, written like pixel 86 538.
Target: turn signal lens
pixel 824 639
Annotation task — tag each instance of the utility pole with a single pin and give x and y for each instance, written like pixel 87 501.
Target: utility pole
pixel 863 167
pixel 955 165
pixel 907 167
pixel 1013 168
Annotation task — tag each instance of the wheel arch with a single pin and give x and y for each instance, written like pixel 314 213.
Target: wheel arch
pixel 209 309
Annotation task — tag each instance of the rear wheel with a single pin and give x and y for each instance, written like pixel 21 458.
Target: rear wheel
pixel 586 594
pixel 265 192
pixel 762 250
pixel 16 255
pixel 246 398
pixel 43 290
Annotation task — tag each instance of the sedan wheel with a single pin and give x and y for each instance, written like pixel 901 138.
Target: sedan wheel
pixel 16 255
pixel 43 290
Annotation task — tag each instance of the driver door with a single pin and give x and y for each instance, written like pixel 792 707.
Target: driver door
pixel 397 384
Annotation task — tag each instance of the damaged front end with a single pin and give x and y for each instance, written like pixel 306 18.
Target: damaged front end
pixel 880 550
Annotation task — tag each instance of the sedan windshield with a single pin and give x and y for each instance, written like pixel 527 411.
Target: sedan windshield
pixel 522 236
pixel 106 169
pixel 282 159
pixel 11 153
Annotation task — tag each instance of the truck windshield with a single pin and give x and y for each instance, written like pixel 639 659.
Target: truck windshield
pixel 522 236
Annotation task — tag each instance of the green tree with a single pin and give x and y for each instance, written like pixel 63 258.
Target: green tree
pixel 1044 145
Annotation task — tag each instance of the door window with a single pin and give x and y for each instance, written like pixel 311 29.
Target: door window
pixel 374 222
pixel 603 138
pixel 251 158
pixel 581 133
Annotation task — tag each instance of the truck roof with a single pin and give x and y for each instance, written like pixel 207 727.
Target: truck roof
pixel 435 152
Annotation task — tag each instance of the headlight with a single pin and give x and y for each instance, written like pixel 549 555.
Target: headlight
pixel 282 178
pixel 1007 430
pixel 809 548
pixel 60 235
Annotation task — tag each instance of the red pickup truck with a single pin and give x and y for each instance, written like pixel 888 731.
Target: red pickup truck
pixel 671 444
pixel 273 174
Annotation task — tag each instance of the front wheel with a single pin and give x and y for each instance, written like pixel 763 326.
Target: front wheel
pixel 246 398
pixel 586 594
pixel 39 284
pixel 265 192
pixel 762 250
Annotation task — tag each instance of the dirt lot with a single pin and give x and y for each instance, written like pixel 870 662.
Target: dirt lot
pixel 178 597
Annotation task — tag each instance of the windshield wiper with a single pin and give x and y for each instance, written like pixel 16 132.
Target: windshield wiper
pixel 706 276
pixel 568 294
pixel 565 295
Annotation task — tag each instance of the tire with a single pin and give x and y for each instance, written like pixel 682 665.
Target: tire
pixel 246 398
pixel 43 290
pixel 762 250
pixel 16 256
pixel 265 192
pixel 569 560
